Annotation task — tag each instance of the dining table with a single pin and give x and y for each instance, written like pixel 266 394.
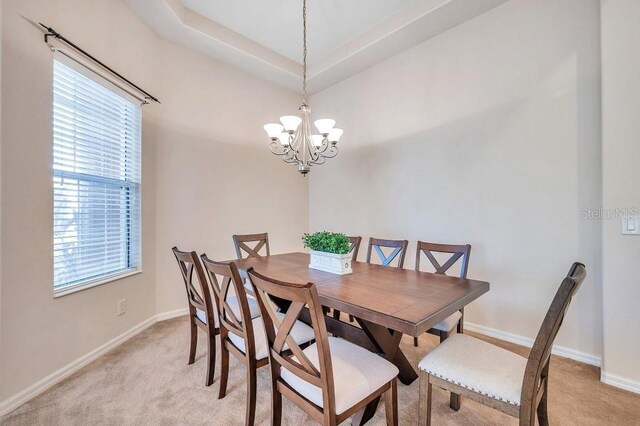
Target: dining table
pixel 386 303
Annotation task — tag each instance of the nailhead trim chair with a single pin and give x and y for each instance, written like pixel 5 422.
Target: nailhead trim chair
pixel 494 376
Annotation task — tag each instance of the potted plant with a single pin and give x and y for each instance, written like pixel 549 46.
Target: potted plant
pixel 329 252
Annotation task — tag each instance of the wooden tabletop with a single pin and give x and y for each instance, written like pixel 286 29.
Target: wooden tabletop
pixel 404 300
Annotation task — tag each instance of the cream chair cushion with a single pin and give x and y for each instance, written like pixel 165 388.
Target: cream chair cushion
pixel 232 300
pixel 235 307
pixel 253 306
pixel 449 323
pixel 203 317
pixel 357 373
pixel 300 332
pixel 247 285
pixel 478 366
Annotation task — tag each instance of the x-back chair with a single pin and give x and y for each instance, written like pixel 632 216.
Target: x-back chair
pixel 241 332
pixel 201 311
pixel 332 379
pixel 457 252
pixel 250 245
pixel 497 377
pixel 397 254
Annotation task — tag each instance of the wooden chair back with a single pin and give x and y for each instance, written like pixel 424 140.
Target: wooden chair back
pixel 278 333
pixel 224 277
pixel 354 246
pixel 199 296
pixel 456 251
pixel 260 240
pixel 535 377
pixel 399 251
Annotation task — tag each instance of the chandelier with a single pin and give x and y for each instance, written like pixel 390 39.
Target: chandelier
pixel 292 140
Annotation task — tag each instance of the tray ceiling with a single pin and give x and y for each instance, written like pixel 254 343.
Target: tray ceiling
pixel 264 37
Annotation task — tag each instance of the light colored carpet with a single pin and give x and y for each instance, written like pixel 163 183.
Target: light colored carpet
pixel 147 381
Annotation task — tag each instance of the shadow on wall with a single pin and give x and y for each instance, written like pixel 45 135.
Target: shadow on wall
pixel 208 190
pixel 406 176
pixel 508 179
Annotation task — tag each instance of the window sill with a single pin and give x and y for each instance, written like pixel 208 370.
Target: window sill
pixel 90 284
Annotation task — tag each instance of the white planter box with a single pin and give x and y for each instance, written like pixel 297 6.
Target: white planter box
pixel 330 262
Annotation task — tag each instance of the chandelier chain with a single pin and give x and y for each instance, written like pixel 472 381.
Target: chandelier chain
pixel 304 52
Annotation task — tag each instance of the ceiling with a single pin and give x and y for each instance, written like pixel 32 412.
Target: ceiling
pixel 264 37
pixel 277 24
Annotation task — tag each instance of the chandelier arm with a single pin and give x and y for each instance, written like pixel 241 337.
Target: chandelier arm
pixel 287 154
pixel 319 161
pixel 324 146
pixel 275 147
pixel 290 155
pixel 314 153
pixel 289 158
pixel 332 152
pixel 283 155
pixel 295 156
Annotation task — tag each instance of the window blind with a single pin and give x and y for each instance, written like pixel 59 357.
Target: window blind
pixel 96 179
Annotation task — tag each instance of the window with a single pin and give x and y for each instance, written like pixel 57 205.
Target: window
pixel 96 179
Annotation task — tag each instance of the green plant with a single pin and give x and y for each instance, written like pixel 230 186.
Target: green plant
pixel 328 242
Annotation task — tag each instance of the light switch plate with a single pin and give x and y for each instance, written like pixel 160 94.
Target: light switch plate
pixel 630 226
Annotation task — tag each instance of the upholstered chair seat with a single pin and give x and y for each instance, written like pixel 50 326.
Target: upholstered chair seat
pixel 357 373
pixel 478 366
pixel 449 323
pixel 301 333
pixel 496 377
pixel 233 302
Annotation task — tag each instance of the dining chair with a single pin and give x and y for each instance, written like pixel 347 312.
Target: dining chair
pixel 399 250
pixel 260 240
pixel 241 333
pixel 201 312
pixel 354 246
pixel 496 377
pixel 455 320
pixel 331 379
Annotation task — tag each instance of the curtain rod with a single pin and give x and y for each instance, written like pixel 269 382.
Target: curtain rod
pixel 53 33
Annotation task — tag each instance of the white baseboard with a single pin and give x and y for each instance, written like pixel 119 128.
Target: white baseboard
pixel 527 342
pixel 37 388
pixel 171 314
pixel 620 382
pixel 40 386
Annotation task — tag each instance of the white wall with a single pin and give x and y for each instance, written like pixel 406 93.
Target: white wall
pixel 215 174
pixel 0 187
pixel 621 189
pixel 487 134
pixel 41 334
pixel 207 174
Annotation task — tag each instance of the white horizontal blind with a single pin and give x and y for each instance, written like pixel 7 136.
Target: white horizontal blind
pixel 96 179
